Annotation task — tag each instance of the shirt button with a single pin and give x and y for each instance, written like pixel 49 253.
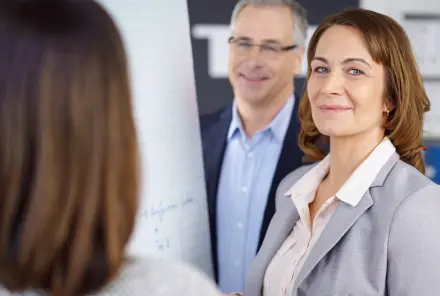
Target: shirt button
pixel 237 263
pixel 240 225
pixel 244 189
pixel 250 154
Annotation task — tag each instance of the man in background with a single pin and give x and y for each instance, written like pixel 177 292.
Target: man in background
pixel 250 146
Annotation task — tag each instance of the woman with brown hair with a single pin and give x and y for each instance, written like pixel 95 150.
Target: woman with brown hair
pixel 68 158
pixel 364 219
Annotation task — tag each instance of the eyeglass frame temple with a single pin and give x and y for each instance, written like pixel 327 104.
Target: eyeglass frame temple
pixel 285 48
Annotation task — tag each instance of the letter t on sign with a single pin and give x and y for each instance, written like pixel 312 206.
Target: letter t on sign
pixel 217 36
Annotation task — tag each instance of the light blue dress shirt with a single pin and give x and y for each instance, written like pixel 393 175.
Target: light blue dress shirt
pixel 246 176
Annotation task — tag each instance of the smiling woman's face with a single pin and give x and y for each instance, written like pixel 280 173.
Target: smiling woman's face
pixel 346 87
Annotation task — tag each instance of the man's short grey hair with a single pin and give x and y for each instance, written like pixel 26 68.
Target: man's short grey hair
pixel 299 15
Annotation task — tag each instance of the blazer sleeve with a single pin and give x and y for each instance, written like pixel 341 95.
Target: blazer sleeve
pixel 414 245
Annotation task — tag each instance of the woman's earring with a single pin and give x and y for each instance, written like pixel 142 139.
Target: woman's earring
pixel 388 112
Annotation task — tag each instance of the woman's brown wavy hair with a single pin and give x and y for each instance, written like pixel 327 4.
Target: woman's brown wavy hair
pixel 68 152
pixel 388 45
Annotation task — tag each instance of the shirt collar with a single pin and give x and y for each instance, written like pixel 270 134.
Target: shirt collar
pixel 236 124
pixel 278 126
pixel 357 184
pixel 310 181
pixel 360 181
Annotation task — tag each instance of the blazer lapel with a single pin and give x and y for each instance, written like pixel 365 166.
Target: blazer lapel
pixel 279 228
pixel 290 158
pixel 214 144
pixel 342 220
pixel 215 148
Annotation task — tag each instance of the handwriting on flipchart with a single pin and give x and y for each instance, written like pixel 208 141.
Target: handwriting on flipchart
pixel 157 213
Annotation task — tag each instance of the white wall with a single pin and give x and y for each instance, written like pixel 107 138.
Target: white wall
pixel 425 40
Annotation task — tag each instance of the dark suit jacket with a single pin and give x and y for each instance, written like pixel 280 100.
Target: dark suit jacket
pixel 214 129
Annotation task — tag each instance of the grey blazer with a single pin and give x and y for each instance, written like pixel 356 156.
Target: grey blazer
pixel 389 244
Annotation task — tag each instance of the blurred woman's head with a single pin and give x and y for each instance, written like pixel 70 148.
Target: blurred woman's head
pixel 68 154
pixel 363 80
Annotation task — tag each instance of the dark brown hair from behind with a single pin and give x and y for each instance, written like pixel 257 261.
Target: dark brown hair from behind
pixel 388 45
pixel 68 153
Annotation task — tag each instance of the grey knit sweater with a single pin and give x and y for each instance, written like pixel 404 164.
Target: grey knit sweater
pixel 152 277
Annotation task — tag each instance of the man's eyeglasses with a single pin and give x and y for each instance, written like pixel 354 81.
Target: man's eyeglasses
pixel 267 50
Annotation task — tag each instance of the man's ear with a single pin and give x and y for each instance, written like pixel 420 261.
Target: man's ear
pixel 298 56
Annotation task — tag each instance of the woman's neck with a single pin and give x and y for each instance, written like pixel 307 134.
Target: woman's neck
pixel 348 153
